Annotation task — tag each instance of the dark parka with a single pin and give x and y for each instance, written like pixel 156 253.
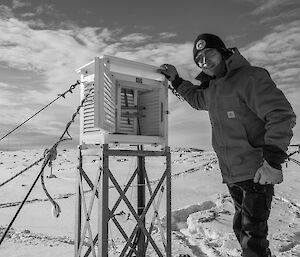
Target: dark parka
pixel 248 115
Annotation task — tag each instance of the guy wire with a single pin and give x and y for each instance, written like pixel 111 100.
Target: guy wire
pixel 59 96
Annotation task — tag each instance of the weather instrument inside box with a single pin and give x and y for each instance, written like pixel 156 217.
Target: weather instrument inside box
pixel 127 104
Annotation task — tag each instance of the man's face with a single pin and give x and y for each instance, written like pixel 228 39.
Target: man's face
pixel 210 61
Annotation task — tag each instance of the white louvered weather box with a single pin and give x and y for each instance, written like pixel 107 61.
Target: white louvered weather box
pixel 128 103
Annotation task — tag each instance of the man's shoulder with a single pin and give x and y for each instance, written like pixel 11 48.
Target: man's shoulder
pixel 254 70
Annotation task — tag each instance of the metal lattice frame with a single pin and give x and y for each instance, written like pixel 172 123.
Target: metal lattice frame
pixel 140 237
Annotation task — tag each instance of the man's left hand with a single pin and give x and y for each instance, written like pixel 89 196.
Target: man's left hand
pixel 266 174
pixel 169 71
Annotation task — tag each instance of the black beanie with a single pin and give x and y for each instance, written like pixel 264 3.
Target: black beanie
pixel 209 41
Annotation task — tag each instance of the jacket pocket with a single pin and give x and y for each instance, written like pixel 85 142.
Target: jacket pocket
pixel 229 108
pixel 227 102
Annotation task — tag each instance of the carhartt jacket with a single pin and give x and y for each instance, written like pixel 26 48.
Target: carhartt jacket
pixel 248 115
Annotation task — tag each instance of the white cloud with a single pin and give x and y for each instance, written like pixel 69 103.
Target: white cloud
pixel 54 53
pixel 264 6
pixel 268 5
pixel 136 38
pixel 3 85
pixel 281 17
pixel 279 52
pixel 45 8
pixel 166 35
pixel 20 3
pixel 5 12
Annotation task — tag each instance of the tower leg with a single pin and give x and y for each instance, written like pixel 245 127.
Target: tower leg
pixel 141 251
pixel 78 206
pixel 104 214
pixel 168 203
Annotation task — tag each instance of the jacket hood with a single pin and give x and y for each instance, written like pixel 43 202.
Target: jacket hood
pixel 235 61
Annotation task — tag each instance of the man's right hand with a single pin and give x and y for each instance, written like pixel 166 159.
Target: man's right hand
pixel 169 71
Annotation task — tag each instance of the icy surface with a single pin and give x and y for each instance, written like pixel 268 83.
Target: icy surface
pixel 202 209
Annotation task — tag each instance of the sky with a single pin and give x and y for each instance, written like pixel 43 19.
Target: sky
pixel 42 43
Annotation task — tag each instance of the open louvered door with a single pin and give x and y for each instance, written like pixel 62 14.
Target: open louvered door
pixel 105 94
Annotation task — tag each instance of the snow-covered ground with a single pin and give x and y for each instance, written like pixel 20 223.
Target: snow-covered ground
pixel 202 209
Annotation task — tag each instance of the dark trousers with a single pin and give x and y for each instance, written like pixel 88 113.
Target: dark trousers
pixel 250 222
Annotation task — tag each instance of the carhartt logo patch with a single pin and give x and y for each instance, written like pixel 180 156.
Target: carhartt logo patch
pixel 231 115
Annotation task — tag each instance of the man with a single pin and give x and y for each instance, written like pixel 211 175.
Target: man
pixel 252 125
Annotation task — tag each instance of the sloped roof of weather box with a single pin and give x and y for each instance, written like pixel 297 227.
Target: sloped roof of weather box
pixel 133 68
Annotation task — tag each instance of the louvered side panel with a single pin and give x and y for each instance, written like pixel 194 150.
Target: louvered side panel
pixel 89 109
pixel 150 120
pixel 109 103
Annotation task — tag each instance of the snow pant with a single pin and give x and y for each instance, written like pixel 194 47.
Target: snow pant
pixel 252 204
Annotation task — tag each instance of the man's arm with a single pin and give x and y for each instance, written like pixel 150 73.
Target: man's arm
pixel 193 94
pixel 271 106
